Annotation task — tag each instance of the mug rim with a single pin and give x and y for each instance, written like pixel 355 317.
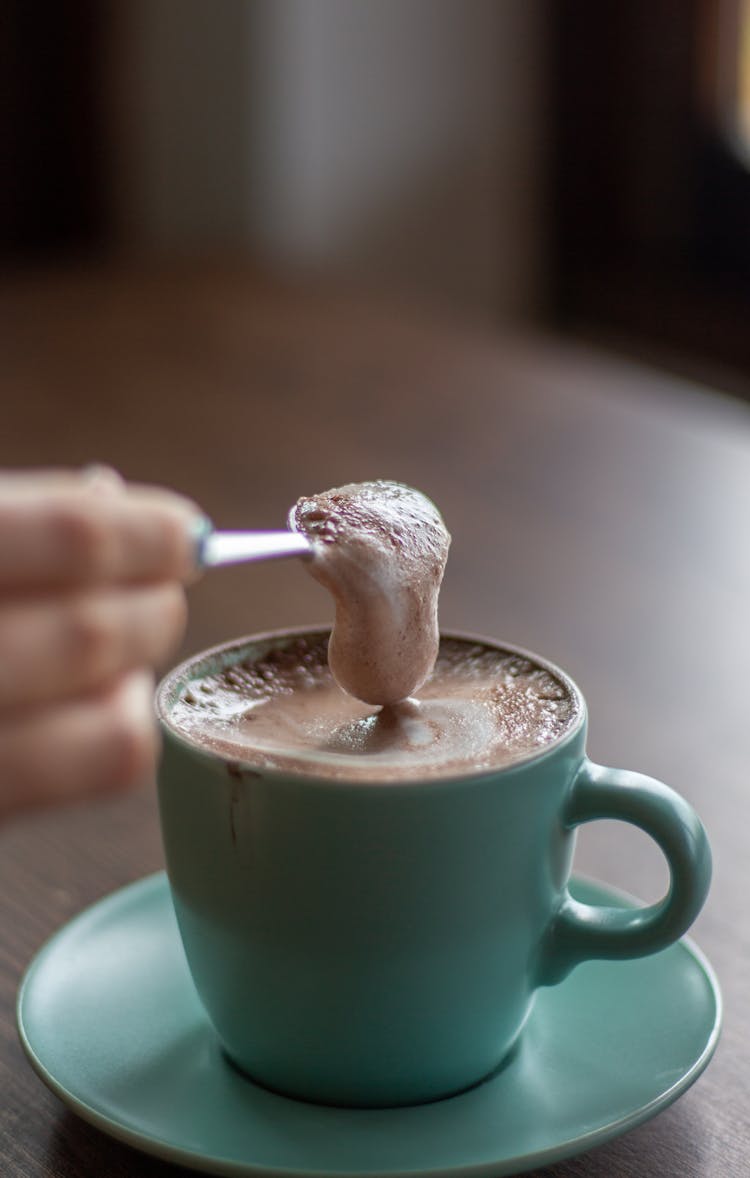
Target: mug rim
pixel 174 678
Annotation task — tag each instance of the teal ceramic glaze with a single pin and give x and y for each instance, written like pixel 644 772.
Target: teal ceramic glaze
pixel 110 1020
pixel 378 945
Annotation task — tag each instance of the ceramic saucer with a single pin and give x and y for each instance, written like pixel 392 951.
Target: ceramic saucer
pixel 110 1020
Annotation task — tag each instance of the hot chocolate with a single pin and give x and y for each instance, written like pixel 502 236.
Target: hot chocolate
pixel 382 697
pixel 275 704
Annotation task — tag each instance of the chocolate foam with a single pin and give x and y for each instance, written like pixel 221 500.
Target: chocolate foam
pixel 380 549
pixel 279 707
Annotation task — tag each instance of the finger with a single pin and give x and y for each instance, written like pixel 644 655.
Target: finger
pixel 55 648
pixel 29 481
pixel 84 746
pixel 58 530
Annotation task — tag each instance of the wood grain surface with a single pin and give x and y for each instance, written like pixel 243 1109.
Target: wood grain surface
pixel 599 512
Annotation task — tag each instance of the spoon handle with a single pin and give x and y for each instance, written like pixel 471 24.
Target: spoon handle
pixel 218 548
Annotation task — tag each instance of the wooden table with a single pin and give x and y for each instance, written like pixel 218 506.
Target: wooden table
pixel 599 513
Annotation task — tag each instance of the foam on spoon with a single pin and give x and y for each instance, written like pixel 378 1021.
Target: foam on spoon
pixel 380 549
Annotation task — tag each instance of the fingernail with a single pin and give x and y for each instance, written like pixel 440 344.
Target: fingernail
pixel 102 477
pixel 136 694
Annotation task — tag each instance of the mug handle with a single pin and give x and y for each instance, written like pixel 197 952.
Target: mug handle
pixel 579 931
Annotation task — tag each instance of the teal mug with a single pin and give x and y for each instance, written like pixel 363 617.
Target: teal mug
pixel 376 945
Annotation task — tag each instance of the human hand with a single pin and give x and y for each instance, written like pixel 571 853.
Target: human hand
pixel 91 598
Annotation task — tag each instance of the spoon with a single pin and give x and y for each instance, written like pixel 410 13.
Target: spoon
pixel 219 548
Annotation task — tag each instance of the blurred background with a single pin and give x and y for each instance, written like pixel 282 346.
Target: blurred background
pixel 569 163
